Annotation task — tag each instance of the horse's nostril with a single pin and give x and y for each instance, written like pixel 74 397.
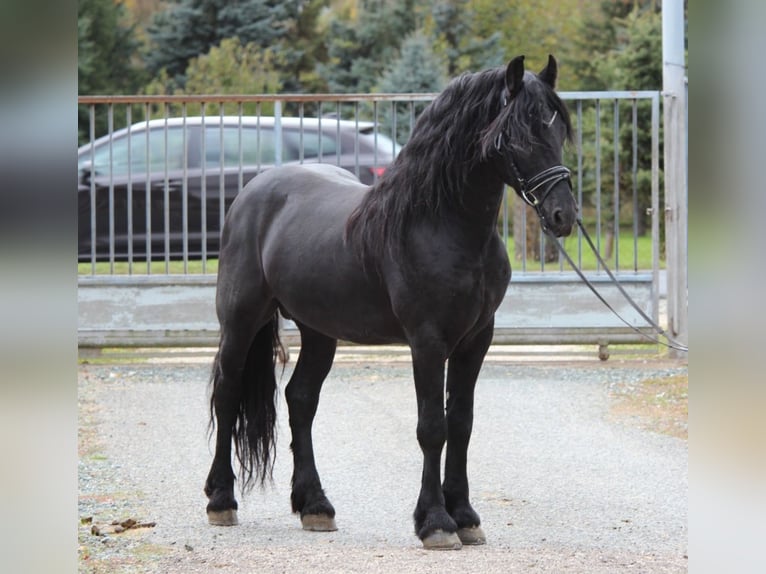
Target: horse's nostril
pixel 561 222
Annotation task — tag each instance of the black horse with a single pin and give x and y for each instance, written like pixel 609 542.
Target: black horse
pixel 414 259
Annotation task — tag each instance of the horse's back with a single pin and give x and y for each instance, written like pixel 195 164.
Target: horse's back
pixel 317 183
pixel 285 241
pixel 285 199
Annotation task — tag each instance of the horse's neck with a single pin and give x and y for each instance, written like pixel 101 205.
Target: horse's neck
pixel 480 206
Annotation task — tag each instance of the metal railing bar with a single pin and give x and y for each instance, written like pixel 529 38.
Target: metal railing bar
pixel 634 182
pixel 203 188
pixel 364 108
pixel 166 195
pixel 185 191
pixel 598 179
pixel 616 199
pixel 110 130
pixel 129 190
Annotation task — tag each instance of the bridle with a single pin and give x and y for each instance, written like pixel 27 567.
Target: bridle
pixel 546 180
pixel 535 190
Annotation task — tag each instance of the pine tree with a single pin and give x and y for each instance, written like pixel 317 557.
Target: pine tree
pixel 106 46
pixel 638 66
pixel 190 28
pixel 106 49
pixel 416 70
pixel 455 35
pixel 361 47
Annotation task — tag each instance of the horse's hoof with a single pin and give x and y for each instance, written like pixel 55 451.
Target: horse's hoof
pixel 472 536
pixel 318 523
pixel 441 540
pixel 222 517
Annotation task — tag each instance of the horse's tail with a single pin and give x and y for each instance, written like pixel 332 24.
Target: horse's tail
pixel 254 432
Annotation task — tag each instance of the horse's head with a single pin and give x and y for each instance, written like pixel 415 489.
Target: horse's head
pixel 526 142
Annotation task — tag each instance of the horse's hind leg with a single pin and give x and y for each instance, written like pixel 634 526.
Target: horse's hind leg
pixel 302 393
pixel 462 372
pixel 225 404
pixel 242 404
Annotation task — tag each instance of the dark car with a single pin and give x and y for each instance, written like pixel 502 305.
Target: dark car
pixel 176 177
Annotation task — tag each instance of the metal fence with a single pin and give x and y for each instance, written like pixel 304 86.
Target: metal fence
pixel 152 198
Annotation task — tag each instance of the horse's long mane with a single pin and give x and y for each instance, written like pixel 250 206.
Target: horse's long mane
pixel 455 133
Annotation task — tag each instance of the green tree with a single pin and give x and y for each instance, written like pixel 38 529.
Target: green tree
pixel 638 61
pixel 416 70
pixel 189 28
pixel 456 36
pixel 602 37
pixel 625 39
pixel 106 49
pixel 234 68
pixel 307 47
pixel 361 43
pixel 638 66
pixel 141 12
pixel 595 40
pixel 106 57
pixel 534 28
pixel 231 68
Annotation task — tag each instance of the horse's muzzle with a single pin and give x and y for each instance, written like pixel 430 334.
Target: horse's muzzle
pixel 561 220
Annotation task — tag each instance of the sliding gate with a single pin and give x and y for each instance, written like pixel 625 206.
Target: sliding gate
pixel 167 299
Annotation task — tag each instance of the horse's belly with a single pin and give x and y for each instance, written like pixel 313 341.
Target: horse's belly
pixel 352 317
pixel 319 282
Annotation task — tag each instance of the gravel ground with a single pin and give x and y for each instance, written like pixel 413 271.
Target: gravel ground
pixel 562 484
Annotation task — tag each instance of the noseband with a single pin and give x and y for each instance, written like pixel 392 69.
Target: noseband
pixel 535 190
pixel 545 181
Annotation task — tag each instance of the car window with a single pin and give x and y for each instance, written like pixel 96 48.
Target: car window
pixel 310 141
pixel 258 146
pixel 134 162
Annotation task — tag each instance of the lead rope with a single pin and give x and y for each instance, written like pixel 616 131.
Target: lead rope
pixel 671 344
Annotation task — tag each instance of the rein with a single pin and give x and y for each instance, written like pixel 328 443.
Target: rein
pixel 546 180
pixel 671 344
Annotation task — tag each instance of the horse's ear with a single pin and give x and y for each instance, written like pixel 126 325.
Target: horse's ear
pixel 514 75
pixel 550 72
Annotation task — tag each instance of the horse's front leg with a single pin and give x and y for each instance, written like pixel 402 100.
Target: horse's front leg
pixel 433 524
pixel 463 370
